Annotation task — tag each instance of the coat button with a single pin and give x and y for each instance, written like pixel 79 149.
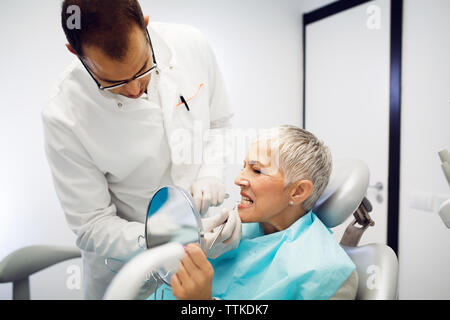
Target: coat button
pixel 120 104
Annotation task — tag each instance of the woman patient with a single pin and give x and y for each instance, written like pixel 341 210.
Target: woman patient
pixel 286 252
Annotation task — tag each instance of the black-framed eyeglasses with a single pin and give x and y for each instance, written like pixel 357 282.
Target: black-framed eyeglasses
pixel 122 83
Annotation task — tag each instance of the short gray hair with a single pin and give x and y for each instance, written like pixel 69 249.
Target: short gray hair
pixel 301 155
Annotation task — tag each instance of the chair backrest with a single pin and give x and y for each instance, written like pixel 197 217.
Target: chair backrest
pixel 377 268
pixel 376 264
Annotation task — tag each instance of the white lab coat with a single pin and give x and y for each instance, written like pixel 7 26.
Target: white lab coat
pixel 108 154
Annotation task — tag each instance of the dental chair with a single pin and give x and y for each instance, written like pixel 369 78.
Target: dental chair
pixel 376 264
pixel 18 266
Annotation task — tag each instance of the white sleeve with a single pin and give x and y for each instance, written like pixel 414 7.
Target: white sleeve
pixel 220 119
pixel 83 193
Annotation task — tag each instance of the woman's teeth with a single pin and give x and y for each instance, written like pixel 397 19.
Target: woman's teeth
pixel 246 201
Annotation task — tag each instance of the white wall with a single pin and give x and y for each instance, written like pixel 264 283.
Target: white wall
pixel 424 240
pixel 32 55
pixel 258 44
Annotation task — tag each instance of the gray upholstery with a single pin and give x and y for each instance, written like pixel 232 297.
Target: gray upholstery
pixel 377 267
pixel 20 264
pixel 346 189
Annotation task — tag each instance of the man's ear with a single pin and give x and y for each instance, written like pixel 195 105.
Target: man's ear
pixel 69 47
pixel 301 191
pixel 146 19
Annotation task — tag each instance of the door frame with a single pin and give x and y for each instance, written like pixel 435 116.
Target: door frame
pixel 394 151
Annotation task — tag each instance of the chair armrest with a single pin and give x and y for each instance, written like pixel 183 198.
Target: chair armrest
pixel 23 262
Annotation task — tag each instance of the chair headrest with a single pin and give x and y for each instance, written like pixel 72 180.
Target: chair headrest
pixel 346 189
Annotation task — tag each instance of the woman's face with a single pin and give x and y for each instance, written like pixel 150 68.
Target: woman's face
pixel 262 186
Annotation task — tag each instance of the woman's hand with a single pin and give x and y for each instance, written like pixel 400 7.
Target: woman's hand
pixel 193 281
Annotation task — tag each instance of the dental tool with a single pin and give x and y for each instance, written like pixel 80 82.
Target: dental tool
pixel 222 226
pixel 444 210
pixel 446 168
pixel 217 236
pixel 444 155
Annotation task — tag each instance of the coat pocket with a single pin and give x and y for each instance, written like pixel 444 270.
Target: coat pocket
pixel 186 100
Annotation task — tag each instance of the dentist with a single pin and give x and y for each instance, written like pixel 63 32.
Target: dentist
pixel 120 123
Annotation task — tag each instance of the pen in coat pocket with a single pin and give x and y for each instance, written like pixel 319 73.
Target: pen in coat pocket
pixel 184 102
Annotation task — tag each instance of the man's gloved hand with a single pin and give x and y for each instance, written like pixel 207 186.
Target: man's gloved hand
pixel 206 192
pixel 228 238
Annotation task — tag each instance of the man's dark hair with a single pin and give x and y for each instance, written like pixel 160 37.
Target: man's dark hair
pixel 105 24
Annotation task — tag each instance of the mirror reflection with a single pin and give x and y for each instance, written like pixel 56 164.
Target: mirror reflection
pixel 172 217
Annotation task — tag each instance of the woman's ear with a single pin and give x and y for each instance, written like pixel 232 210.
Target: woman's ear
pixel 69 47
pixel 146 19
pixel 301 190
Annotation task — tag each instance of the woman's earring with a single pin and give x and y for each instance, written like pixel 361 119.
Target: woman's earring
pixel 291 203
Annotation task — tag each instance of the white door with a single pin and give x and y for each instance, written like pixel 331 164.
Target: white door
pixel 347 96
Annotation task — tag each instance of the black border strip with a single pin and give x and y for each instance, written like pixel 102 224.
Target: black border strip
pixel 395 123
pixel 331 9
pixel 395 101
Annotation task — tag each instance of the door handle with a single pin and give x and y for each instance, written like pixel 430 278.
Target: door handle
pixel 377 186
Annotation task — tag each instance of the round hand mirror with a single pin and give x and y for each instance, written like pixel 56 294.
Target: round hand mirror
pixel 172 217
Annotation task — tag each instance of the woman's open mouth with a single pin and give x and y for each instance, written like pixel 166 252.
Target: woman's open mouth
pixel 246 201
